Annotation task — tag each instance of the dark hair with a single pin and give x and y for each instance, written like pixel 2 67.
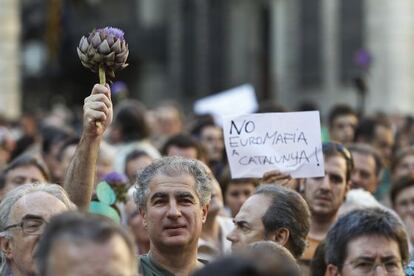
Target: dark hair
pixel 200 123
pixel 331 149
pixel 80 227
pixel 273 259
pixel 230 266
pixel 400 185
pixel 364 222
pixel 182 141
pixel 365 131
pixel 225 180
pixel 70 141
pixel 340 110
pixel 367 149
pixel 52 135
pixel 130 118
pixel 287 210
pixel 24 160
pixel 135 154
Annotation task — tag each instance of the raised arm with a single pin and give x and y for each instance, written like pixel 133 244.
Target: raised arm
pixel 97 115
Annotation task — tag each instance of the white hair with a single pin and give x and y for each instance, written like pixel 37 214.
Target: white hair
pixel 358 199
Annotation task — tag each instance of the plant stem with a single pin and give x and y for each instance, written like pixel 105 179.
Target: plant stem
pixel 102 80
pixel 102 77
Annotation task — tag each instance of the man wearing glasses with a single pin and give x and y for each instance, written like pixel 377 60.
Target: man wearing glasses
pixel 368 241
pixel 325 195
pixel 24 213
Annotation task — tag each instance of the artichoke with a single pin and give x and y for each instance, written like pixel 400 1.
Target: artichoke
pixel 104 51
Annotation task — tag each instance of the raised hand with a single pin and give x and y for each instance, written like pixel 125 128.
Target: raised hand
pixel 279 178
pixel 97 111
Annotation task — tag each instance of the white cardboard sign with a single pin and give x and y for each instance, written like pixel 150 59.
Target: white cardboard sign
pixel 236 101
pixel 288 141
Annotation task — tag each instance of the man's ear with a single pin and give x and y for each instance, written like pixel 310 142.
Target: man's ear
pixel 280 236
pixel 204 212
pixel 5 247
pixel 143 214
pixel 332 270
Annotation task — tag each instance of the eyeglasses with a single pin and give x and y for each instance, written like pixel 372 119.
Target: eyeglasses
pixel 30 225
pixel 392 266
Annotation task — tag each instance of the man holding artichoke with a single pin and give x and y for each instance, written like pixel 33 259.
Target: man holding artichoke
pixel 187 208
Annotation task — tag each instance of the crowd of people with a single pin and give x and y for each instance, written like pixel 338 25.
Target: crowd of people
pixel 131 191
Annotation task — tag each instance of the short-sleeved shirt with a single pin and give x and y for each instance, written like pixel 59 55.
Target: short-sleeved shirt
pixel 149 268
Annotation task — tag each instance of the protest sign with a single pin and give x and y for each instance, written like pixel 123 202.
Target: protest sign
pixel 223 103
pixel 289 142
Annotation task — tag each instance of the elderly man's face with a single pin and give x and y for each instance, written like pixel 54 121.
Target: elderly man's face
pixel 20 248
pixel 173 215
pixel 370 255
pixel 248 222
pixel 326 194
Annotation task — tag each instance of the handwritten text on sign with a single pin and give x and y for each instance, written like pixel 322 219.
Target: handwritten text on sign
pixel 289 142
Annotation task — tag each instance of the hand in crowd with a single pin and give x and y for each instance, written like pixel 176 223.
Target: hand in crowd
pixel 279 178
pixel 97 110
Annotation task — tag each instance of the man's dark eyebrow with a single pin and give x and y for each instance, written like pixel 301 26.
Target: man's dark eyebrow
pixel 183 194
pixel 240 223
pixel 365 258
pixel 158 195
pixel 389 258
pixel 31 216
pixel 371 259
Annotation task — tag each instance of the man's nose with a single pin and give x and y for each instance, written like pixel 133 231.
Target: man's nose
pixel 379 270
pixel 355 177
pixel 232 236
pixel 173 210
pixel 242 198
pixel 326 185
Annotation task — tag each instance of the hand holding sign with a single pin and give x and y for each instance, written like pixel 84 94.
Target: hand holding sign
pixel 279 178
pixel 288 142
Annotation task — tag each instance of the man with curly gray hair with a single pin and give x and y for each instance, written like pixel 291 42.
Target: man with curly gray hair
pixel 173 196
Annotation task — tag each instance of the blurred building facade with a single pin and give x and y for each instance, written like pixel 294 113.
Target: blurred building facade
pixel 292 51
pixel 10 58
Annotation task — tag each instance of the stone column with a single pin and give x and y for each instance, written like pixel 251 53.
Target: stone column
pixel 284 53
pixel 175 44
pixel 10 93
pixel 330 54
pixel 390 39
pixel 201 48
